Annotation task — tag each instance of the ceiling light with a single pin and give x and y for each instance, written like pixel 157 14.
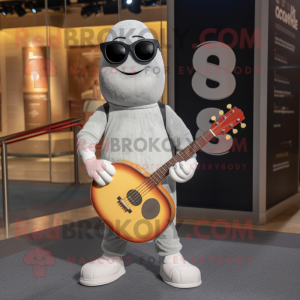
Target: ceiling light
pixel 149 2
pixel 20 10
pixel 7 10
pixel 135 6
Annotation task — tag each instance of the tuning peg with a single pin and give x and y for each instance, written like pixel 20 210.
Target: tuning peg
pixel 228 137
pixel 229 106
pixel 243 125
pixel 213 118
pixel 221 112
pixel 234 131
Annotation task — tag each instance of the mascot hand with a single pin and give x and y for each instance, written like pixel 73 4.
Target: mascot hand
pixel 100 170
pixel 184 170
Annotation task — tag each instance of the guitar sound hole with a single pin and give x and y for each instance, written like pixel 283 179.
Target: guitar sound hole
pixel 150 209
pixel 134 197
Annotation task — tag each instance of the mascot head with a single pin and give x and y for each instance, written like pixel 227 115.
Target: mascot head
pixel 131 71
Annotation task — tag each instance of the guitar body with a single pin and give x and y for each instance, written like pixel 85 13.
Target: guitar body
pixel 134 212
pixel 135 205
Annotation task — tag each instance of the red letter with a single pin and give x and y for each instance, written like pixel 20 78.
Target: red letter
pixel 236 70
pixel 72 261
pixel 128 260
pixel 202 38
pixel 214 231
pixel 73 71
pixel 240 260
pixel 237 226
pixel 248 70
pixel 250 42
pixel 55 38
pixel 84 71
pixel 21 230
pixel 211 259
pixel 231 261
pixel 211 150
pixel 94 70
pixel 239 146
pixel 81 260
pixel 56 231
pixel 21 39
pixel 234 36
pixel 257 69
pixel 190 71
pixel 35 234
pixel 196 232
pixel 38 41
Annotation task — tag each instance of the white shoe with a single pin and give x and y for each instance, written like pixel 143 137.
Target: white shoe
pixel 179 273
pixel 103 270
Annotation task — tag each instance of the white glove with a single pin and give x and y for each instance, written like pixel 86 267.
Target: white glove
pixel 184 170
pixel 100 170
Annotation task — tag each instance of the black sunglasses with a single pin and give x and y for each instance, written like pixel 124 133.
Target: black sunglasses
pixel 143 50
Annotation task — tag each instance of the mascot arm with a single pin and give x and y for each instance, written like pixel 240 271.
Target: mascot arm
pixel 181 137
pixel 88 137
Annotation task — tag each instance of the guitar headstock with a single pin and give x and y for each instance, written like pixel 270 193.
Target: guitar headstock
pixel 228 121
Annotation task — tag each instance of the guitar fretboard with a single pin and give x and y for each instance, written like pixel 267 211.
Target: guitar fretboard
pixel 183 155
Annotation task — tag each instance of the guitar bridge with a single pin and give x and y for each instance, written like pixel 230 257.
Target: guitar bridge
pixel 124 205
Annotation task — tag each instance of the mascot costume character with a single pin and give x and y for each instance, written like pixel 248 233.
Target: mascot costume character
pixel 132 80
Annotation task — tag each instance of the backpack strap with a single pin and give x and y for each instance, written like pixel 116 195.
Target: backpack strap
pixel 162 108
pixel 163 113
pixel 106 109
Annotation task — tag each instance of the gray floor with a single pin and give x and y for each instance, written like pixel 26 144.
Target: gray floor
pixel 28 200
pixel 272 273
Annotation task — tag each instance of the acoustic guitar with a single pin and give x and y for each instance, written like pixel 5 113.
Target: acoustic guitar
pixel 135 205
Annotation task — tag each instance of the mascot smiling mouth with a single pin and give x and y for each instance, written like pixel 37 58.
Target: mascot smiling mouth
pixel 131 73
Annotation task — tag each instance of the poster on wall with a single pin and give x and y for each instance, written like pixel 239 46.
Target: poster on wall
pixel 35 86
pixel 84 88
pixel 283 101
pixel 214 67
pixel 36 110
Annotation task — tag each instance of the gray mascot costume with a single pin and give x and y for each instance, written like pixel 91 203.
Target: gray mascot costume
pixel 132 80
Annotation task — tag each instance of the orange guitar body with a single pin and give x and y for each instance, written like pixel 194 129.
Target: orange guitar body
pixel 135 205
pixel 135 213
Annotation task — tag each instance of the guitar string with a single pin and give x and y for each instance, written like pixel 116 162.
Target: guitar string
pixel 145 185
pixel 148 184
pixel 184 153
pixel 146 191
pixel 157 177
pixel 153 184
pixel 146 188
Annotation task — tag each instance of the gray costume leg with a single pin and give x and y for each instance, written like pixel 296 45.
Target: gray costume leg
pixel 166 244
pixel 113 243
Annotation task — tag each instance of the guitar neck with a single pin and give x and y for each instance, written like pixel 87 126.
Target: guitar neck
pixel 185 154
